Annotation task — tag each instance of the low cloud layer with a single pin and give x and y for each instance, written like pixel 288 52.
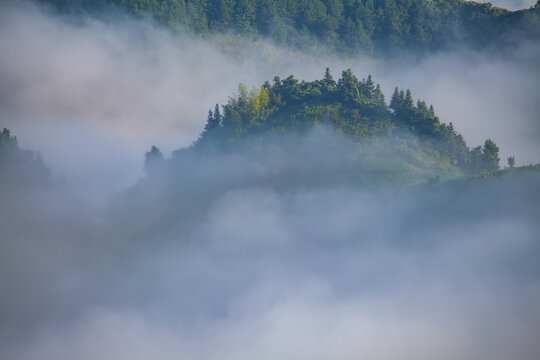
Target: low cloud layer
pixel 335 273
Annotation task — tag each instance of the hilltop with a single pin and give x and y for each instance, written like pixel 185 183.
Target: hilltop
pixel 293 136
pixel 355 109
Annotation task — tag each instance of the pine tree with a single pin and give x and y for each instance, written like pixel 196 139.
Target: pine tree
pixel 395 101
pixel 329 79
pixel 153 160
pixel 409 103
pixel 216 120
pixel 348 86
pixel 212 123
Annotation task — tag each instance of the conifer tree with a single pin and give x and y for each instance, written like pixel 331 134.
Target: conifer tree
pixel 153 160
pixel 409 103
pixel 348 86
pixel 328 78
pixel 395 101
pixel 216 120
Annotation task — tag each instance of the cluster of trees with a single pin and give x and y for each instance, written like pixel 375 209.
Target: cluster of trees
pixel 346 26
pixel 422 120
pixel 353 107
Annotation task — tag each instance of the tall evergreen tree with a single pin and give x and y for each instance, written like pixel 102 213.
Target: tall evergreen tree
pixel 395 101
pixel 348 86
pixel 328 80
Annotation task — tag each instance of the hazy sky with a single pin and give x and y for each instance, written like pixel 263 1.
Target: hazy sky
pixel 513 4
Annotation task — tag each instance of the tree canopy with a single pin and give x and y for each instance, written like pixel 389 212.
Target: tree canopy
pixel 345 26
pixel 356 108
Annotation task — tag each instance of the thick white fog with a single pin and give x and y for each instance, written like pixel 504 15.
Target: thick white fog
pixel 325 274
pixel 177 269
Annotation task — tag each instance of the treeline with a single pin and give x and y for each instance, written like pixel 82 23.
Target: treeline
pixel 353 107
pixel 345 26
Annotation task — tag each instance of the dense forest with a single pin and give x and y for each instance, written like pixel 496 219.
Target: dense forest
pixel 356 108
pixel 344 26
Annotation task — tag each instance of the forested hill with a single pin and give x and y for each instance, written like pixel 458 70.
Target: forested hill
pixel 356 108
pixel 291 136
pixel 344 26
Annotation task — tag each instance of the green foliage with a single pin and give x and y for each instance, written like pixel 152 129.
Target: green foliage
pixel 436 179
pixel 353 107
pixel 484 158
pixel 7 141
pixel 347 26
pixel 511 161
pixel 490 152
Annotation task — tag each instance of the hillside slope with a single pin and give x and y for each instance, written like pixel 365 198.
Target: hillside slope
pixel 343 26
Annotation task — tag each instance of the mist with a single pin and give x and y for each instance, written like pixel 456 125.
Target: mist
pixel 241 255
pixel 257 270
pixel 114 88
pixel 513 4
pixel 236 255
pixel 108 90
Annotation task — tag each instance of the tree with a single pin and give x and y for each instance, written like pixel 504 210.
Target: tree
pixel 153 160
pixel 490 153
pixel 396 100
pixel 244 15
pixel 348 86
pixel 367 87
pixel 217 117
pixel 267 13
pixel 329 79
pixel 6 139
pixel 213 122
pixel 409 103
pixel 220 14
pixel 511 161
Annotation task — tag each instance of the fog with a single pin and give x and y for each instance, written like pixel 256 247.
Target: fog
pixel 483 95
pixel 324 272
pixel 115 87
pixel 512 4
pixel 213 257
